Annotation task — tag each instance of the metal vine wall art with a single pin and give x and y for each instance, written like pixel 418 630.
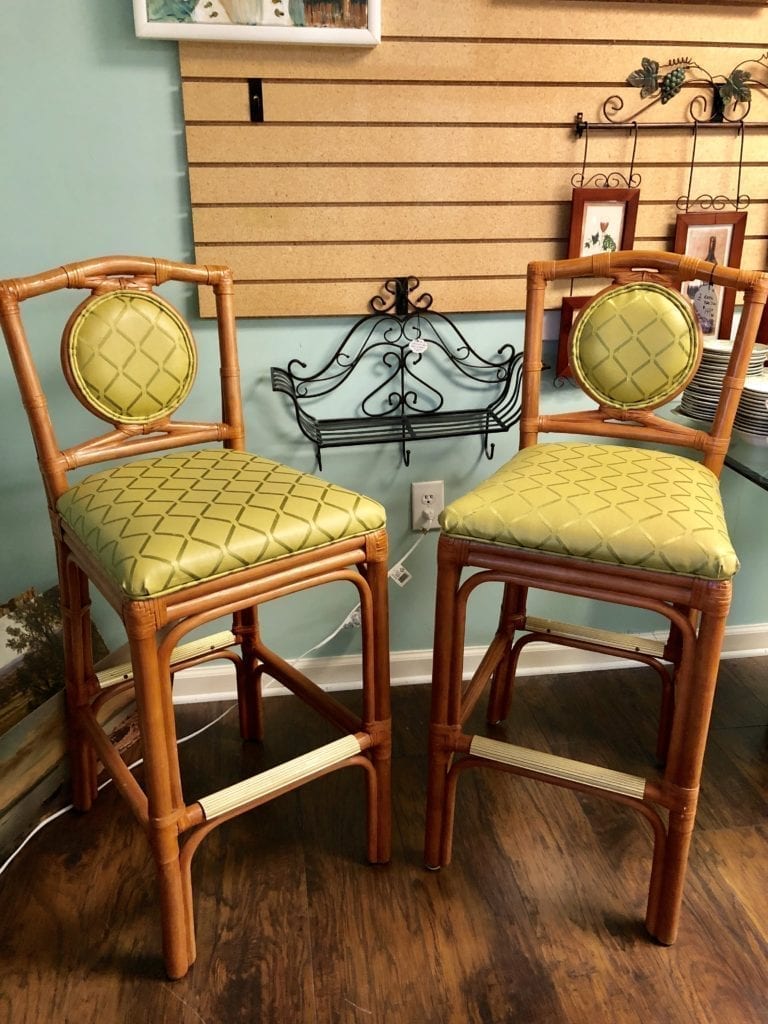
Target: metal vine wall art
pixel 717 101
pixel 728 98
pixel 391 372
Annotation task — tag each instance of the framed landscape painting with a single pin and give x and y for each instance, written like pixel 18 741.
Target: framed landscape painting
pixel 313 22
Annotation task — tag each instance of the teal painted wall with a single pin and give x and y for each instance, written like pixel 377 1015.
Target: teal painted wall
pixel 92 162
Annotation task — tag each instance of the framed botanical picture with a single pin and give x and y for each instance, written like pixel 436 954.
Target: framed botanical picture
pixel 717 238
pixel 313 22
pixel 602 219
pixel 569 314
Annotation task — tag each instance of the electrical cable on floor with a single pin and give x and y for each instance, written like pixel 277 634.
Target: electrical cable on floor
pixel 348 620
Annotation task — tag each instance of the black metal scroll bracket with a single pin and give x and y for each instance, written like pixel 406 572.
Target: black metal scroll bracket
pixel 609 179
pixel 392 371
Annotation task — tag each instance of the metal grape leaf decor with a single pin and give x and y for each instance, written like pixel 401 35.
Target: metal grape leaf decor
pixel 727 98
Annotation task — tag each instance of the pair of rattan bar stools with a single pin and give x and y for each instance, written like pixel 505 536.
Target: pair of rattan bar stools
pixel 185 526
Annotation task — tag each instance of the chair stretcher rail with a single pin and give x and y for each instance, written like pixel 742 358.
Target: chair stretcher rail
pixel 621 641
pixel 564 768
pixel 282 776
pixel 184 652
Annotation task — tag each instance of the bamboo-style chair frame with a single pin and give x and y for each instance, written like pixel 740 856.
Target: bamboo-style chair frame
pixel 695 607
pixel 156 626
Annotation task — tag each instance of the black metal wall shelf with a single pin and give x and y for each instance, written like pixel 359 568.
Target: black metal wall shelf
pixel 399 353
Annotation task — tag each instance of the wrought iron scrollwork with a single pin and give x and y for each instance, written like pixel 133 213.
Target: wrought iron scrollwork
pixel 609 179
pixel 403 356
pixel 727 98
pixel 707 201
pixel 722 101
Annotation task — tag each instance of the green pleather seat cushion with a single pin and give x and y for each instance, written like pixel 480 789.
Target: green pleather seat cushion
pixel 157 525
pixel 606 503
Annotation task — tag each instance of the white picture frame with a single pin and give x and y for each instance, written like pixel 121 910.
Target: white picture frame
pixel 259 21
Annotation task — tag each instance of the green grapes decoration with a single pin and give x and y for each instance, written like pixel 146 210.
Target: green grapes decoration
pixel 664 82
pixel 672 84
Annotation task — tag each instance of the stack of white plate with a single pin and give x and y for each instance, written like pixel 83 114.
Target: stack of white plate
pixel 751 423
pixel 700 398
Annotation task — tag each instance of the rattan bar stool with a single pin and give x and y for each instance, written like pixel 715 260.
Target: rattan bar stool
pixel 624 523
pixel 175 539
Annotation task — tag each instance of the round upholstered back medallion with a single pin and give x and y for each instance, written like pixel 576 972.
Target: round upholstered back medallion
pixel 635 346
pixel 129 356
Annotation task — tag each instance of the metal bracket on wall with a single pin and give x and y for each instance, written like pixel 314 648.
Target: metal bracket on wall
pixel 255 100
pixel 401 355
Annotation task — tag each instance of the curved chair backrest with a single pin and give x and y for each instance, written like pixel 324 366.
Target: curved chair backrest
pixel 635 347
pixel 129 358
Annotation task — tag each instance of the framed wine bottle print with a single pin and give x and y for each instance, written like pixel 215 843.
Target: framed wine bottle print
pixel 716 238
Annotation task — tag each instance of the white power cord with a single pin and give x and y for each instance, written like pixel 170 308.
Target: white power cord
pixel 70 807
pixel 398 573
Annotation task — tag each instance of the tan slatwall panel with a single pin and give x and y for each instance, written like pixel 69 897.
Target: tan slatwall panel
pixel 447 151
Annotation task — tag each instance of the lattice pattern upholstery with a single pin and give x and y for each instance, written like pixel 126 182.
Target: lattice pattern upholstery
pixel 635 346
pixel 607 503
pixel 159 524
pixel 131 356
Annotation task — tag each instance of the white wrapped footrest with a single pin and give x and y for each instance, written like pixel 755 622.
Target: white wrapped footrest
pixel 282 776
pixel 608 638
pixel 578 772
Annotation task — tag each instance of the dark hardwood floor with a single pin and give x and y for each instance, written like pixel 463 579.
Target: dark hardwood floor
pixel 536 921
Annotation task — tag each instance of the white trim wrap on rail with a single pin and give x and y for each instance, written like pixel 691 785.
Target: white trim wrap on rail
pixel 558 767
pixel 204 645
pixel 610 638
pixel 282 776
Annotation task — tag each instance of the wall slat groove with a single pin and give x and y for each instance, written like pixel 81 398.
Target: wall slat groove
pixel 448 150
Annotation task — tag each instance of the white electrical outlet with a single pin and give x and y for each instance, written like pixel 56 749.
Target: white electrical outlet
pixel 427 501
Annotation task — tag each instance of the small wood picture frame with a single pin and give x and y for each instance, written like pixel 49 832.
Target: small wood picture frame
pixel 569 313
pixel 716 237
pixel 602 220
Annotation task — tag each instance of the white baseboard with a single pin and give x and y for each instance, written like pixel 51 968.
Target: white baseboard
pixel 214 681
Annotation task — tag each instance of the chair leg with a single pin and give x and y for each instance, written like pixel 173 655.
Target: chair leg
pixel 163 789
pixel 249 676
pixel 447 669
pixel 175 893
pixel 377 706
pixel 666 714
pixel 695 690
pixel 503 680
pixel 79 678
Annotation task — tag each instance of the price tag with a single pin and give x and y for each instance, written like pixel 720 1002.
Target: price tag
pixel 417 345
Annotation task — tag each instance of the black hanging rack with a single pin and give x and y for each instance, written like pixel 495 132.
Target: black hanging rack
pixel 719 102
pixel 618 179
pixel 393 368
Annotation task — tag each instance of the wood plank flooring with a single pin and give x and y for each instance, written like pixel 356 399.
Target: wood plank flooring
pixel 538 920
